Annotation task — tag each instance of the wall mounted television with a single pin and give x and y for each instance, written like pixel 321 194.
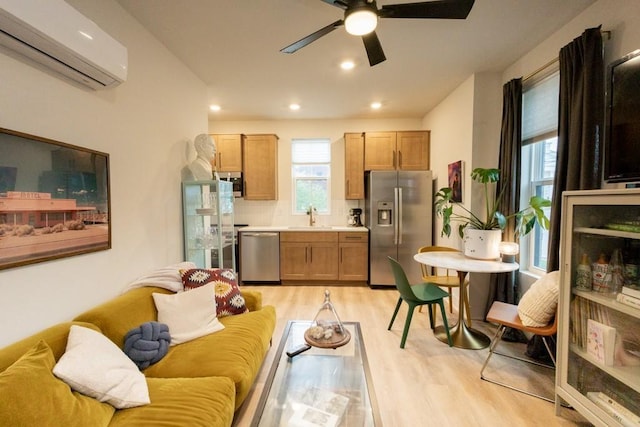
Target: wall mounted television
pixel 622 121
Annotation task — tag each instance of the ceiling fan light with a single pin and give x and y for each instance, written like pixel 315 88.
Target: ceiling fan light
pixel 360 22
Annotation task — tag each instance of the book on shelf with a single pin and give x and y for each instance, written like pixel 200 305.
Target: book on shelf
pixel 620 413
pixel 601 341
pixel 628 300
pixel 631 290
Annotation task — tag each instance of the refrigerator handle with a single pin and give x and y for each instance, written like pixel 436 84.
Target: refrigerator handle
pixel 399 216
pixel 396 213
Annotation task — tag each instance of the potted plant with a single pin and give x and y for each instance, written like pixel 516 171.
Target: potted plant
pixel 495 220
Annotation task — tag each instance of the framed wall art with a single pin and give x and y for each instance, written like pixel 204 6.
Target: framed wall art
pixel 54 199
pixel 455 180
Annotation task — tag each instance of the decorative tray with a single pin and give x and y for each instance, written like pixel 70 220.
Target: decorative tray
pixel 336 340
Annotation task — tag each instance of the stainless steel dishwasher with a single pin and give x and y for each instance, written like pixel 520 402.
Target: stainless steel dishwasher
pixel 259 256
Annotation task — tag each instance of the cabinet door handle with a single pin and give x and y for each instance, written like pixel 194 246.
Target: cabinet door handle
pixel 220 160
pixel 310 255
pixel 399 159
pixel 394 159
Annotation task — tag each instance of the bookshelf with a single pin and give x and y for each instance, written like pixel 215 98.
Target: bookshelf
pixel 599 222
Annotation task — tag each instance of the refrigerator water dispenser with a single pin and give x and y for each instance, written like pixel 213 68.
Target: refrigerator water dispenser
pixel 385 213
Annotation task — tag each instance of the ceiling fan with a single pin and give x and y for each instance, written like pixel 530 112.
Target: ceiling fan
pixel 361 18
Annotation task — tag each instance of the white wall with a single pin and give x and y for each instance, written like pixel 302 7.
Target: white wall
pixel 144 124
pixel 466 126
pixel 279 212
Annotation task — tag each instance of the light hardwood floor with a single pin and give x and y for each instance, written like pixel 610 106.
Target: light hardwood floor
pixel 427 383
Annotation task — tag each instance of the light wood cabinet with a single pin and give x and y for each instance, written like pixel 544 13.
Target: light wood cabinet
pixel 354 166
pixel 308 255
pixel 405 150
pixel 606 392
pixel 228 153
pixel 353 256
pixel 260 170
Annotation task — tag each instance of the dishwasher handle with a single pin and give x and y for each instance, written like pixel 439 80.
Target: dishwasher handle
pixel 268 234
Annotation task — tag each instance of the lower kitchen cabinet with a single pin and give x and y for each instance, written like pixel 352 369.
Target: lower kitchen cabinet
pixel 354 257
pixel 324 256
pixel 309 255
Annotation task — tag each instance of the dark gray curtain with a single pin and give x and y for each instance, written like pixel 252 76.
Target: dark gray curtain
pixel 580 121
pixel 504 287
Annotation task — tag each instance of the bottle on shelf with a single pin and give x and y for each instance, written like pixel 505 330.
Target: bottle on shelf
pixel 583 274
pixel 601 281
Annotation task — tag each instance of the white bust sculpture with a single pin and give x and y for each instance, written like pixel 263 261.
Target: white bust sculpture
pixel 201 168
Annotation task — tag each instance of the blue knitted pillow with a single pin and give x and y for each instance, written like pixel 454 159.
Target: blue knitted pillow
pixel 147 344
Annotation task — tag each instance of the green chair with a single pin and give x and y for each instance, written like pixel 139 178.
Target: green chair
pixel 415 296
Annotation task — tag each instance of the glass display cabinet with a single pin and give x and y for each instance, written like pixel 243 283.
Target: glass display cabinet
pixel 598 370
pixel 209 240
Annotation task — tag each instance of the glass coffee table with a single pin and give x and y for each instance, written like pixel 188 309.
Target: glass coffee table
pixel 318 387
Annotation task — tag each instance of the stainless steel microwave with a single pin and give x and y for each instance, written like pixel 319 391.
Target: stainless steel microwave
pixel 236 179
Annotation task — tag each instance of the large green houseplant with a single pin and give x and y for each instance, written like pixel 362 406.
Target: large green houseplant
pixel 526 218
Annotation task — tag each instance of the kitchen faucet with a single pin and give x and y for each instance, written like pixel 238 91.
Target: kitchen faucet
pixel 312 218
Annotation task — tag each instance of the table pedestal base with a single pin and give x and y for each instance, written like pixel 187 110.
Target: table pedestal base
pixel 463 337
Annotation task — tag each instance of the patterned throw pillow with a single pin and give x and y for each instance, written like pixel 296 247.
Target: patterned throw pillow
pixel 229 301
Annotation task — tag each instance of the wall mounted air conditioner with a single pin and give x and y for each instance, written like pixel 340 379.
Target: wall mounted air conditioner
pixel 56 35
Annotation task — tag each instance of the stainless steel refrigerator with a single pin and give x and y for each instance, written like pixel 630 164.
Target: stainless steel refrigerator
pixel 398 213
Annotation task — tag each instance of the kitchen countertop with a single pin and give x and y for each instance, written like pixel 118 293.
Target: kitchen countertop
pixel 279 228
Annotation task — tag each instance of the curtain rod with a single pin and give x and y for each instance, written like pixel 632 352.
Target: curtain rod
pixel 605 34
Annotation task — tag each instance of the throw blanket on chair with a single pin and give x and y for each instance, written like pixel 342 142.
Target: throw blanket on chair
pixel 147 344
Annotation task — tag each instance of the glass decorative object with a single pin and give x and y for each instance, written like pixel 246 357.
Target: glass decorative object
pixel 327 331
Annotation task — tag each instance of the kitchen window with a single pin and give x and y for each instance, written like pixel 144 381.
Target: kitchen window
pixel 539 151
pixel 311 175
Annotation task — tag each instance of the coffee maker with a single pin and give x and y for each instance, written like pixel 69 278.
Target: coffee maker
pixel 354 217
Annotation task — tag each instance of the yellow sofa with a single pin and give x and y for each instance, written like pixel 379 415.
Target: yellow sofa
pixel 200 382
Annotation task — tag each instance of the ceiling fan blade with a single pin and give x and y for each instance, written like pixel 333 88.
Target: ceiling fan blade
pixel 440 9
pixel 342 4
pixel 311 37
pixel 374 48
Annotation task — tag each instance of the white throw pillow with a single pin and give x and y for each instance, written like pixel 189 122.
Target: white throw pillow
pixel 166 277
pixel 93 365
pixel 189 314
pixel 538 305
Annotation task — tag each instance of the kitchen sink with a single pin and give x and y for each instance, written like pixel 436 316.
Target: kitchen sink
pixel 310 227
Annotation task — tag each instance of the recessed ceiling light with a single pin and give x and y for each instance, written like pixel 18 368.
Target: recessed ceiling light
pixel 294 107
pixel 347 65
pixel 214 107
pixel 376 105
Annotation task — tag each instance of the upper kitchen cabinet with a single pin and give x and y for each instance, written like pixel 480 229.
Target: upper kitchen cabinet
pixel 228 153
pixel 354 166
pixel 260 166
pixel 406 150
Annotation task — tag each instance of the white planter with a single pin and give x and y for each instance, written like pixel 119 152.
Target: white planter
pixel 482 244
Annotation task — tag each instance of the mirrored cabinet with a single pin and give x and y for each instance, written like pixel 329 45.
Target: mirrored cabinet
pixel 208 224
pixel 598 370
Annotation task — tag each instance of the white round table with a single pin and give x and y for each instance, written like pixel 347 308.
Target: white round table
pixel 462 335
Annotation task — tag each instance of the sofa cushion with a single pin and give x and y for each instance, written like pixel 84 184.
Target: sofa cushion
pixel 33 396
pixel 207 401
pixel 55 337
pixel 95 366
pixel 229 300
pixel 118 316
pixel 189 315
pixel 236 352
